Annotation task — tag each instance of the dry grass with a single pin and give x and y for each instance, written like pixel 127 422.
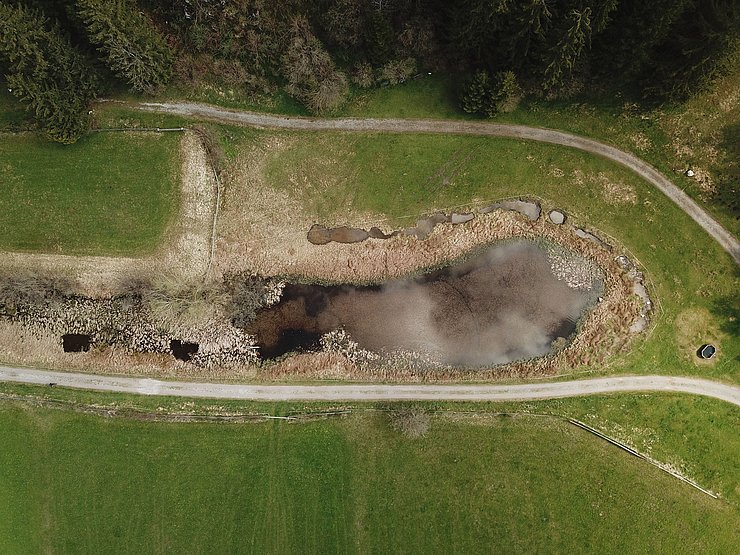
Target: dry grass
pixel 695 327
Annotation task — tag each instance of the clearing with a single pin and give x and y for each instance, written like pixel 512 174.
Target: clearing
pixel 292 180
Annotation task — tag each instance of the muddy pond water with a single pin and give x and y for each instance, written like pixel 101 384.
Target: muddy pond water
pixel 502 305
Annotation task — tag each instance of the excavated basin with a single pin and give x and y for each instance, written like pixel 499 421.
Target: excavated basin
pixel 504 304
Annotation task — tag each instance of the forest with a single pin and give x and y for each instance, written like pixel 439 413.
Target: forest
pixel 59 55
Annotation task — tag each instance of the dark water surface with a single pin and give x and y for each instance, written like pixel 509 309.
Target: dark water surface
pixel 502 305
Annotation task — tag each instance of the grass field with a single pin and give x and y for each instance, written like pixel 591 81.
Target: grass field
pixel 403 176
pixel 79 483
pixel 697 133
pixel 109 194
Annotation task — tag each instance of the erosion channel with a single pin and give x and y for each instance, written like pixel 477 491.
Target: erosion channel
pixel 511 301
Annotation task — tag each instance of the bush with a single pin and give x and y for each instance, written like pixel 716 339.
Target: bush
pixel 174 301
pixel 21 289
pixel 312 76
pixel 486 96
pixel 477 93
pixel 397 71
pixel 248 294
pixel 363 75
pixel 508 92
pixel 329 93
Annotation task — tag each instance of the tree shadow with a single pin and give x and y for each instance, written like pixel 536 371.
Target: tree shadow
pixel 727 309
pixel 727 170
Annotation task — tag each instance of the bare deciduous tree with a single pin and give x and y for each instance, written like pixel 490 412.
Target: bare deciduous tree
pixel 411 422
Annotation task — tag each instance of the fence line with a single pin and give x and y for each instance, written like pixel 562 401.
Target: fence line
pixel 639 455
pixel 215 222
pixel 153 129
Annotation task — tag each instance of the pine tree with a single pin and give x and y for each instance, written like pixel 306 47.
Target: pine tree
pixel 132 48
pixel 477 93
pixel 46 71
pixel 568 49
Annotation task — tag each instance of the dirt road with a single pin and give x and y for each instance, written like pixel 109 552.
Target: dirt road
pixel 643 169
pixel 357 392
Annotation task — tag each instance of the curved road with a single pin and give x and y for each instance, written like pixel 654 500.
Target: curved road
pixel 362 392
pixel 190 109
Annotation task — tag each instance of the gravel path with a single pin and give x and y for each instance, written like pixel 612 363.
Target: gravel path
pixel 357 392
pixel 643 169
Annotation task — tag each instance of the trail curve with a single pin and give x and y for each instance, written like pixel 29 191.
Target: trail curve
pixel 253 119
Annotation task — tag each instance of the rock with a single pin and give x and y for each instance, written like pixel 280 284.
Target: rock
pixel 424 227
pixel 318 235
pixel 624 263
pixel 639 325
pixel 456 218
pixel 346 234
pixel 556 217
pixel 377 233
pixel 583 234
pixel 690 173
pixel 530 209
pixel 439 218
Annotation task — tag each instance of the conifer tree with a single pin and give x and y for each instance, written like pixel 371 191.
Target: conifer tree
pixel 47 72
pixel 131 46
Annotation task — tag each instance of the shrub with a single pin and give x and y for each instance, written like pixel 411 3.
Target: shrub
pixel 508 92
pixel 248 294
pixel 312 76
pixel 486 96
pixel 363 75
pixel 477 93
pixel 23 289
pixel 397 71
pixel 175 301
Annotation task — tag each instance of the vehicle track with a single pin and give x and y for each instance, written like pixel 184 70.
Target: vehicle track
pixel 375 392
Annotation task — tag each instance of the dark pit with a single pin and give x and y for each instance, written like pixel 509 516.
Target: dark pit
pixel 182 350
pixel 76 343
pixel 500 306
pixel 292 341
pixel 706 351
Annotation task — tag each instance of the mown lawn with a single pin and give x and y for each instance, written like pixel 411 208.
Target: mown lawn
pixel 694 282
pixel 84 484
pixel 108 193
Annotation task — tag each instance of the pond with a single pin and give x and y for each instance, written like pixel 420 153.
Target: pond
pixel 502 305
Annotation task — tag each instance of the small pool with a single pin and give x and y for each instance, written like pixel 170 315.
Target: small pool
pixel 504 304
